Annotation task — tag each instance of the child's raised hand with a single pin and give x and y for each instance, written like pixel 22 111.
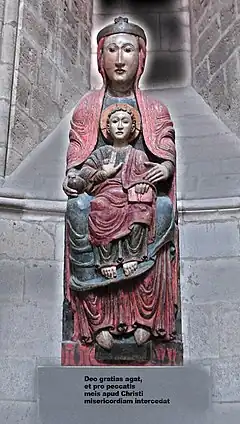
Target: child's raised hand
pixel 111 170
pixel 109 166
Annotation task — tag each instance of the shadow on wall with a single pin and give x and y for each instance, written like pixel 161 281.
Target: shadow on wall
pixel 163 23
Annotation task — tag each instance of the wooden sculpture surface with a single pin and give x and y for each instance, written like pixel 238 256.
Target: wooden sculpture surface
pixel 121 255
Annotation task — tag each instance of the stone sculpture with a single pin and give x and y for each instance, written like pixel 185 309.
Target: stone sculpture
pixel 121 256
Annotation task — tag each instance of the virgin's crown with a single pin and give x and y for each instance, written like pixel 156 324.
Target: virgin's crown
pixel 122 25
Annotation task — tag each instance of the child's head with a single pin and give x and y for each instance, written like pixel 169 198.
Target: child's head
pixel 121 124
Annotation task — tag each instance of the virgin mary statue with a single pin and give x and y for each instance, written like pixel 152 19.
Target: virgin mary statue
pixel 141 303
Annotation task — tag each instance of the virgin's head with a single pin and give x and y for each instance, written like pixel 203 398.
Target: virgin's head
pixel 121 52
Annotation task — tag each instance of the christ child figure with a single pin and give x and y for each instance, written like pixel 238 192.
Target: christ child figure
pixel 121 221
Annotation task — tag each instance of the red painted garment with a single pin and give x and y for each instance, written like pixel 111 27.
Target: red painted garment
pixel 151 300
pixel 147 302
pixel 157 126
pixel 157 129
pixel 116 207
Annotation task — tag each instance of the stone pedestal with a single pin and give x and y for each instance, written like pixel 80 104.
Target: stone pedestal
pixel 152 353
pixel 124 351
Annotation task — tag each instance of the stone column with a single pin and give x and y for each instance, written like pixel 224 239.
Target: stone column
pixel 44 70
pixel 9 16
pixel 215 32
pixel 45 63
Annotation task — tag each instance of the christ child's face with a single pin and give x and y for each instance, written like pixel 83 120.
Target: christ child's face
pixel 120 126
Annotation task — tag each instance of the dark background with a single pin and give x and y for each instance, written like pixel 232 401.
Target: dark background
pixel 164 67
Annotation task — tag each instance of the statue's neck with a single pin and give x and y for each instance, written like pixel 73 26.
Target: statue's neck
pixel 122 145
pixel 120 91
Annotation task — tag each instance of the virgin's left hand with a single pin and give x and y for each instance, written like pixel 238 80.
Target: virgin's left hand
pixel 157 173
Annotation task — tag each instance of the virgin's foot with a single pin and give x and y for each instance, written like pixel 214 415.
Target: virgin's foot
pixel 141 336
pixel 109 271
pixel 105 340
pixel 129 267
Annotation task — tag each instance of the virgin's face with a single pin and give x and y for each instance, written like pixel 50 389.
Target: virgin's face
pixel 120 126
pixel 120 57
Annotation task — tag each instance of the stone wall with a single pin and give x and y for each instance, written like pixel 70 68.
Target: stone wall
pixel 211 296
pixel 8 34
pixel 167 28
pixel 44 70
pixel 215 31
pixel 31 263
pixel 49 60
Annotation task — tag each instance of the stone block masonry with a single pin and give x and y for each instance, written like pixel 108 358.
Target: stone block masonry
pixel 215 33
pixel 31 263
pixel 45 69
pixel 167 27
pixel 210 296
pixel 8 34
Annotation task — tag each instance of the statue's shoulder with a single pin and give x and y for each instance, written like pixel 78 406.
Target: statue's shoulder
pixel 154 104
pixel 86 103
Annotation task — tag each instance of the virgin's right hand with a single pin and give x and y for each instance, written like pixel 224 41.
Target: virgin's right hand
pixel 68 190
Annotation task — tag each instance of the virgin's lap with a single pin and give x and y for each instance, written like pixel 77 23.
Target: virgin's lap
pixel 111 199
pixel 84 273
pixel 78 210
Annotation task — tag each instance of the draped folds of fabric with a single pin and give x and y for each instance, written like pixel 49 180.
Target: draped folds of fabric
pixel 149 299
pixel 112 213
pixel 147 302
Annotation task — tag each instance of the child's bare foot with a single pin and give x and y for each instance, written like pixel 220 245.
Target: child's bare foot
pixel 109 271
pixel 130 267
